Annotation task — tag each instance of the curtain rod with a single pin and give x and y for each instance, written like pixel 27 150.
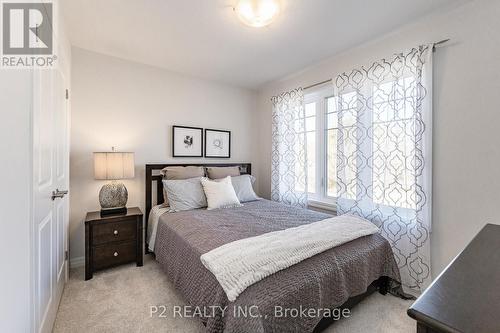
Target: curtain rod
pixel 317 84
pixel 330 80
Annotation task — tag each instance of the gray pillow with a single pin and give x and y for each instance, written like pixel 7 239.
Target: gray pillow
pixel 185 194
pixel 180 172
pixel 222 172
pixel 243 187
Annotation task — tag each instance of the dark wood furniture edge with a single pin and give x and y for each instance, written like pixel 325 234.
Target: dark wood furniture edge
pixel 425 322
pixel 428 324
pixel 88 253
pixel 140 241
pixel 150 178
pixel 95 216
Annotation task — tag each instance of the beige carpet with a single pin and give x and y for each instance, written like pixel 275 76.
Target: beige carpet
pixel 119 300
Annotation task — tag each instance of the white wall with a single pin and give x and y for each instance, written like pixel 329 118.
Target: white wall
pixel 466 117
pixel 133 107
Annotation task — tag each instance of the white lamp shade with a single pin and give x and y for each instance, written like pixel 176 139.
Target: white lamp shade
pixel 114 165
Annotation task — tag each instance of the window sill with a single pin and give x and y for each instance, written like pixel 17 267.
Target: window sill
pixel 329 206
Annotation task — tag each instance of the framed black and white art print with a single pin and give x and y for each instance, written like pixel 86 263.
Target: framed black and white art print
pixel 187 141
pixel 217 143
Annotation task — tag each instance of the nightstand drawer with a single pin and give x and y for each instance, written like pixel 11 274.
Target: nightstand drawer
pixel 114 254
pixel 112 232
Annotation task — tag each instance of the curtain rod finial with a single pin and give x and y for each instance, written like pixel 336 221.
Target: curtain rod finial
pixel 439 43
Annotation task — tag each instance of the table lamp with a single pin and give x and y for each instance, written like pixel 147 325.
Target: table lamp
pixel 113 166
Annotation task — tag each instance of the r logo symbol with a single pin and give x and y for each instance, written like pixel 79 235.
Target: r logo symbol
pixel 27 28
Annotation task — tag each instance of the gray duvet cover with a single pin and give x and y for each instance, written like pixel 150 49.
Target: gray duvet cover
pixel 323 281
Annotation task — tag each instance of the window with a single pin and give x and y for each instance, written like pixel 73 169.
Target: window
pixel 320 155
pixel 306 124
pixel 310 131
pixel 392 143
pixel 321 110
pixel 343 109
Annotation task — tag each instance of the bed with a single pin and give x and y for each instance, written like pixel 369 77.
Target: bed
pixel 337 278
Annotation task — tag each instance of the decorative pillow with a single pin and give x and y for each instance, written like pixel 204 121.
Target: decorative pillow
pixel 178 173
pixel 222 172
pixel 185 194
pixel 220 194
pixel 243 187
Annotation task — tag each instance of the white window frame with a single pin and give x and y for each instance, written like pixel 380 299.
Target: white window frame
pixel 320 199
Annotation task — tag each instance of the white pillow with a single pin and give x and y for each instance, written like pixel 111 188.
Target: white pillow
pixel 220 194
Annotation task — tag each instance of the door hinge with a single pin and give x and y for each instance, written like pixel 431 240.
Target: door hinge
pixel 66 255
pixel 67 94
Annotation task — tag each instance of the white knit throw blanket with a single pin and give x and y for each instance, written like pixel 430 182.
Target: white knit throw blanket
pixel 239 264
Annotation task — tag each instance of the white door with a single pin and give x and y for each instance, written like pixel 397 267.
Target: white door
pixel 51 168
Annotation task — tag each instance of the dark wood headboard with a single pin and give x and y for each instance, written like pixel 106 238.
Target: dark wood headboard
pixel 153 176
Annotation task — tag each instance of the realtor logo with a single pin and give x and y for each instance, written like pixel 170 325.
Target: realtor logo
pixel 27 34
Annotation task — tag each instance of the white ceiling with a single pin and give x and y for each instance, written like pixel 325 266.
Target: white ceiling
pixel 204 38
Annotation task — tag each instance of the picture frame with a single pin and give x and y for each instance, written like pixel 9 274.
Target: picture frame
pixel 217 143
pixel 187 141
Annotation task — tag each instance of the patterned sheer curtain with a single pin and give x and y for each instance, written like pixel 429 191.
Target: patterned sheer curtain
pixel 384 145
pixel 289 155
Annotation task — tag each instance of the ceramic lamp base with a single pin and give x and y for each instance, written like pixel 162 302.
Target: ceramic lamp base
pixel 113 198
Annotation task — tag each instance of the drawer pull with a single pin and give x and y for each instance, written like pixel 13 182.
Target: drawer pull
pixel 115 254
pixel 115 232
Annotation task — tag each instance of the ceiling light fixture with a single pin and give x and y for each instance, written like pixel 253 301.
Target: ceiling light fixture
pixel 257 13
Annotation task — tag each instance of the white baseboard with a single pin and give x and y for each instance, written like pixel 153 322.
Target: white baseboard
pixel 77 262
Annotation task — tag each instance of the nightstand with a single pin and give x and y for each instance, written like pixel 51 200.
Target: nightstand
pixel 112 240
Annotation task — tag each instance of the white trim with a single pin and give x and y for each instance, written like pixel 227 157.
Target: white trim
pixel 77 262
pixel 330 206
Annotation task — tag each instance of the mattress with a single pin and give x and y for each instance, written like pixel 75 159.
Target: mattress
pixel 324 281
